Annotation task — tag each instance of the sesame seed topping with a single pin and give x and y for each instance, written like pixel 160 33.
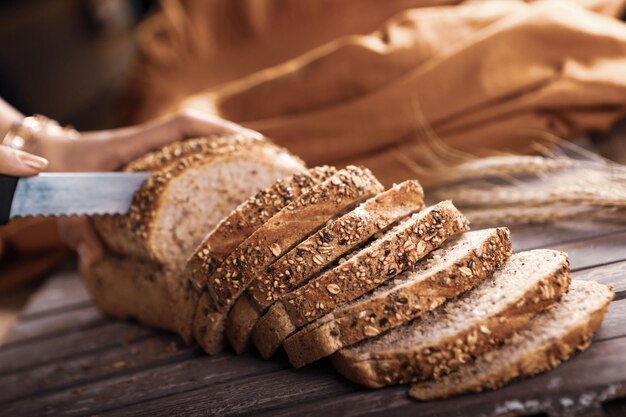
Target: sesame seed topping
pixel 333 288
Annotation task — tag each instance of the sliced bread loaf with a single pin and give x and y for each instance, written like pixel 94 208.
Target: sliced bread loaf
pixel 551 338
pixel 200 176
pixel 232 231
pixel 309 257
pixel 278 235
pixel 397 250
pixel 203 177
pixel 463 328
pixel 461 263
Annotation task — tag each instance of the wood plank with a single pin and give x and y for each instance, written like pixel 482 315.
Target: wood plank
pixel 560 392
pixel 176 378
pixel 535 236
pixel 64 291
pixel 68 345
pixel 614 324
pixel 82 369
pixel 612 274
pixel 595 251
pixel 50 325
pixel 250 395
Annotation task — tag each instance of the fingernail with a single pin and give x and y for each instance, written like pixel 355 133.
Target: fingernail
pixel 33 161
pixel 86 255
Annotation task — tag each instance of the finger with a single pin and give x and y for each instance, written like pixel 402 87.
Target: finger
pixel 126 144
pixel 19 163
pixel 78 233
pixel 194 123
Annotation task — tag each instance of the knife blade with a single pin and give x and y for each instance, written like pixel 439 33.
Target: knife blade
pixel 68 194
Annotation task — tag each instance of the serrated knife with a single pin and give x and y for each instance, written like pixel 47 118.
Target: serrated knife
pixel 68 194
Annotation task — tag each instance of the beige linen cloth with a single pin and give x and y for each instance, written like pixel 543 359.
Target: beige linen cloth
pixel 357 81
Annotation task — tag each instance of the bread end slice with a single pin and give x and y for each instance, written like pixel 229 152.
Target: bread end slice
pixel 552 337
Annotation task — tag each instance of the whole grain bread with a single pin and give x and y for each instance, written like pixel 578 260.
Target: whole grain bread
pixel 309 257
pixel 232 231
pixel 460 264
pixel 551 338
pixel 462 329
pixel 295 222
pixel 397 250
pixel 200 176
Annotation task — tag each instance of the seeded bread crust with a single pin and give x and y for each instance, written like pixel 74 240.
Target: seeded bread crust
pixel 247 218
pixel 393 253
pixel 421 362
pixel 401 300
pixel 130 234
pixel 521 356
pixel 317 252
pixel 287 228
pixel 231 232
pixel 126 288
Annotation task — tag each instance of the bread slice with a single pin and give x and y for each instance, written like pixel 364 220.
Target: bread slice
pixel 463 328
pixel 312 255
pixel 396 251
pixel 202 177
pixel 131 288
pixel 233 230
pixel 551 338
pixel 463 262
pixel 288 227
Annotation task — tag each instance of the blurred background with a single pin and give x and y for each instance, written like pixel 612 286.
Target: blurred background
pixel 68 59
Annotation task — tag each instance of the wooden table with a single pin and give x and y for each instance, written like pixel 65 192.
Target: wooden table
pixel 64 358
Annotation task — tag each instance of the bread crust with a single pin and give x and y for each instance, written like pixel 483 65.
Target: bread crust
pixel 317 252
pixel 547 356
pixel 131 234
pixel 393 253
pixel 268 243
pixel 127 234
pixel 378 369
pixel 383 311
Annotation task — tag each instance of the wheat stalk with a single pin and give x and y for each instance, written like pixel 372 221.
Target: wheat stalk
pixel 564 181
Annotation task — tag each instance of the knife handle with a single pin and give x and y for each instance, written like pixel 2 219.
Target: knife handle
pixel 8 183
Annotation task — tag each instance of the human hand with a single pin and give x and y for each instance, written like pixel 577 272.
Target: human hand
pixel 19 163
pixel 110 150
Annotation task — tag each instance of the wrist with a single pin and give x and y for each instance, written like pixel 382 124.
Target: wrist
pixel 27 133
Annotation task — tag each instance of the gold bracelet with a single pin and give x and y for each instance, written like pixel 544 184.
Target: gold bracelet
pixel 25 134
